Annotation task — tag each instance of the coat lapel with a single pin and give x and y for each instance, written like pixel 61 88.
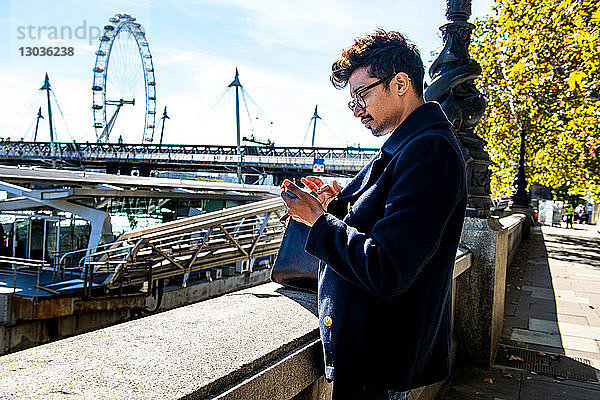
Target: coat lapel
pixel 360 181
pixel 426 116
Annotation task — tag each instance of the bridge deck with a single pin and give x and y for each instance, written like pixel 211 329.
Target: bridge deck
pixel 339 160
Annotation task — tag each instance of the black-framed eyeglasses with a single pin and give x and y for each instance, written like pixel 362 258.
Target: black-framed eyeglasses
pixel 358 100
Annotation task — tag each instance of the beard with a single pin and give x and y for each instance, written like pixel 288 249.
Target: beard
pixel 383 128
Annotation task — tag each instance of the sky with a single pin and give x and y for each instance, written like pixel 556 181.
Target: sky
pixel 282 49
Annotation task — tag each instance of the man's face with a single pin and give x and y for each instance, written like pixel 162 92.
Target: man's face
pixel 383 109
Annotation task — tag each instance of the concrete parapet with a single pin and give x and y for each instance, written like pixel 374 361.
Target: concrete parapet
pixel 211 349
pixel 257 343
pixel 518 228
pixel 527 212
pixel 479 298
pixel 297 376
pixel 41 321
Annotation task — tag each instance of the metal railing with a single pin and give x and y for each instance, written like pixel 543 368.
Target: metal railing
pixel 335 158
pixel 29 265
pixel 205 241
pixel 23 262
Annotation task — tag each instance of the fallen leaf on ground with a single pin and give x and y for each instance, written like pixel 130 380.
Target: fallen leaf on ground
pixel 533 372
pixel 515 358
pixel 539 353
pixel 518 287
pixel 513 302
pixel 508 375
pixel 560 378
pixel 489 380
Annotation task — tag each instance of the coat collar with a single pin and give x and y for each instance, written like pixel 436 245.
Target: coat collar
pixel 423 117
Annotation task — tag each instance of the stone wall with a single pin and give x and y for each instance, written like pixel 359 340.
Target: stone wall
pixel 80 316
pixel 257 343
pixel 480 292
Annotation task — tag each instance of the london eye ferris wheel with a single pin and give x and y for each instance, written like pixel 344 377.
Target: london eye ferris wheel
pixel 122 71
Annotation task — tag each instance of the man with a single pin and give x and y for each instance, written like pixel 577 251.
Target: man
pixel 569 213
pixel 388 240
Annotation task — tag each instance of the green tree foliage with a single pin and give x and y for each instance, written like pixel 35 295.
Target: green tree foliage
pixel 541 74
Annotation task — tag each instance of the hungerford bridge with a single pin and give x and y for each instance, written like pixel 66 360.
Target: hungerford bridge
pixel 280 162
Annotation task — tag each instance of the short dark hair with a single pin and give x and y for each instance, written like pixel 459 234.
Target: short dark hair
pixel 385 54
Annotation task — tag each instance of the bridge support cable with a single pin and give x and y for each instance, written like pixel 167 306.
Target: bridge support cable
pixel 314 119
pixel 62 116
pixel 37 123
pixel 236 83
pixel 46 87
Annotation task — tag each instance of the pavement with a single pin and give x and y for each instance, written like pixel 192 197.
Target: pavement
pixel 550 345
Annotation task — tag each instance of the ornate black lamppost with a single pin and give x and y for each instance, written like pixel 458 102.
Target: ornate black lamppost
pixel 520 198
pixel 453 74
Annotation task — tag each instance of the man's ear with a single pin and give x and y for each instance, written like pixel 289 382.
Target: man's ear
pixel 401 83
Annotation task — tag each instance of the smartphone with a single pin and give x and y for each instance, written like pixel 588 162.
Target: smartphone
pixel 292 195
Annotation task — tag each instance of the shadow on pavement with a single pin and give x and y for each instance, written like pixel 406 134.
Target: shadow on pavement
pixel 531 360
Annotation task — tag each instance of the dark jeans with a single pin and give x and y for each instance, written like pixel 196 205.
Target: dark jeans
pixel 569 220
pixel 349 391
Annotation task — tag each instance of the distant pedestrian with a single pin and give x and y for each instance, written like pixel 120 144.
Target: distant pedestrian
pixel 569 213
pixel 582 214
pixel 577 213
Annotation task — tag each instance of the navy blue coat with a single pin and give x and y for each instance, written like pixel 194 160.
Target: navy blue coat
pixel 387 245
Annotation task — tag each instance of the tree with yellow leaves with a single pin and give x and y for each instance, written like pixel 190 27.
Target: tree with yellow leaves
pixel 540 64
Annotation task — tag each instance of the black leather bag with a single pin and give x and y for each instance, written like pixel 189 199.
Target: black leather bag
pixel 294 267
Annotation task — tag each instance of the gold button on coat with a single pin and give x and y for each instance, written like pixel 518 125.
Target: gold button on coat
pixel 327 321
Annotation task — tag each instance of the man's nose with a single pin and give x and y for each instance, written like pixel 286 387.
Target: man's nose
pixel 358 111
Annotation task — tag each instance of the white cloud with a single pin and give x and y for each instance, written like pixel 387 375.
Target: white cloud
pixel 289 103
pixel 289 47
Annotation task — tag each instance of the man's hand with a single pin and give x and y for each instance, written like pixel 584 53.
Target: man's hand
pixel 305 208
pixel 325 193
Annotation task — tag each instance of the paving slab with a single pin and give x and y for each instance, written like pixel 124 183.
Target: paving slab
pixel 564 328
pixel 472 383
pixel 475 383
pixel 561 340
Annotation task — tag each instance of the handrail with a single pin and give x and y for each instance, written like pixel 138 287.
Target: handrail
pixel 203 217
pixel 29 262
pixel 341 159
pixel 173 248
pixel 87 249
